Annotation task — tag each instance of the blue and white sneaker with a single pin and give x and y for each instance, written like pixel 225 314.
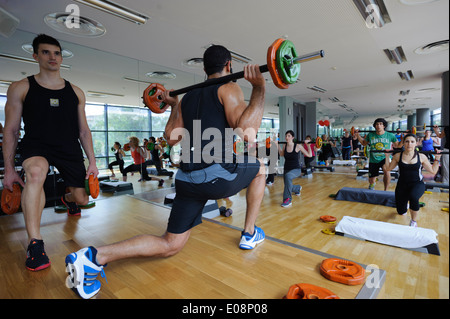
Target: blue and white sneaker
pixel 249 241
pixel 83 272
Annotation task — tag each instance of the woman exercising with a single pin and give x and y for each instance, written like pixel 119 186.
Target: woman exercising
pixel 119 154
pixel 292 167
pixel 410 186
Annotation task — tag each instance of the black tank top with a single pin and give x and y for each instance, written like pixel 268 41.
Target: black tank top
pixel 51 120
pixel 410 173
pixel 204 119
pixel 291 160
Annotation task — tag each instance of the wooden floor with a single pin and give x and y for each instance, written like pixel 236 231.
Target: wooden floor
pixel 212 265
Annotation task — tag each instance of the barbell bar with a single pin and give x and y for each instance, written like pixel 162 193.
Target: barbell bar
pixel 412 131
pixel 399 151
pixel 425 126
pixel 282 63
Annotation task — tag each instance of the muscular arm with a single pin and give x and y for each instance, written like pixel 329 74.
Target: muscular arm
pixel 85 133
pixel 175 124
pixel 240 115
pixel 13 114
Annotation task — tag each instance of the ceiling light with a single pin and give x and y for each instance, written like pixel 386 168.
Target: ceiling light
pixel 404 93
pixel 334 100
pixel 433 47
pixel 161 75
pixel 117 10
pixel 88 27
pixel 28 47
pixel 27 60
pixel 374 12
pixel 402 100
pixel 193 63
pixel 396 56
pixel 406 76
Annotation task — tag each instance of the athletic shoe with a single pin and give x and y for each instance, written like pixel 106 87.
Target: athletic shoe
pixel 249 241
pixel 413 223
pixel 287 202
pixel 371 186
pixel 72 208
pixel 160 183
pixel 83 272
pixel 36 257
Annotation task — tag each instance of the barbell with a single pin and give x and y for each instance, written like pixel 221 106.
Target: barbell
pixel 283 64
pixel 412 131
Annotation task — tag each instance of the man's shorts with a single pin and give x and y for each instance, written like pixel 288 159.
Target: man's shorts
pixel 194 189
pixel 71 168
pixel 374 168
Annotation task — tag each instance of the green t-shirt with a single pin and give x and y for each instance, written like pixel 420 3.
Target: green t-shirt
pixel 379 143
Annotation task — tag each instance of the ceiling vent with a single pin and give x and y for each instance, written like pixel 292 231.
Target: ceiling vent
pixel 335 100
pixel 317 89
pixel 87 27
pixel 408 76
pixel 433 47
pixel 396 56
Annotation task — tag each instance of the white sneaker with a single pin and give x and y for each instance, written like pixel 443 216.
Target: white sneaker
pixel 250 241
pixel 413 223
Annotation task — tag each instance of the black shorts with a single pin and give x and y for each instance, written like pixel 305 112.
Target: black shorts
pixel 71 168
pixel 194 189
pixel 374 168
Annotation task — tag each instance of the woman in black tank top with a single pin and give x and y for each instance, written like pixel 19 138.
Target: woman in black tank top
pixel 410 186
pixel 292 169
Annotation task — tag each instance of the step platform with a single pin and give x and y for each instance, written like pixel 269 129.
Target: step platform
pixel 116 187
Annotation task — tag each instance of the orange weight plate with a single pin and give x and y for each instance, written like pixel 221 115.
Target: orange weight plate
pixel 11 200
pixel 272 65
pixel 342 271
pixel 328 219
pixel 308 291
pixel 152 98
pixel 94 186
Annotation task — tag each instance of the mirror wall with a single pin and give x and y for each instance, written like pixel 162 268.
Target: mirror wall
pixel 113 86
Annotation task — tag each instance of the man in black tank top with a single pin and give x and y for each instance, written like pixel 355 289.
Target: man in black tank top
pixel 55 124
pixel 204 175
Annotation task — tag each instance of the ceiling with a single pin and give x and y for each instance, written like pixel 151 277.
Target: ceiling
pixel 355 69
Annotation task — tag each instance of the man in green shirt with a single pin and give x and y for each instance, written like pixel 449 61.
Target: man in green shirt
pixel 378 141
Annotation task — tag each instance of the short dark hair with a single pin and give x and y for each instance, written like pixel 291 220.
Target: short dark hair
pixel 215 58
pixel 152 139
pixel 43 38
pixel 380 120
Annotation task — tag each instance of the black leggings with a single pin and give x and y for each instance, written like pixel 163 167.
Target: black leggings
pixel 120 163
pixel 408 192
pixel 141 168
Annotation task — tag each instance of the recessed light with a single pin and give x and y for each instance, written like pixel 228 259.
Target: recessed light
pixel 433 47
pixel 161 75
pixel 28 47
pixel 193 63
pixel 88 27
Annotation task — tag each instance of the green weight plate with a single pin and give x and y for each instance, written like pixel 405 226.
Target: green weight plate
pixel 289 71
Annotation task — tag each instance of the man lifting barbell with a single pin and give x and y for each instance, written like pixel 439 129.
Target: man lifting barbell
pixel 378 140
pixel 218 107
